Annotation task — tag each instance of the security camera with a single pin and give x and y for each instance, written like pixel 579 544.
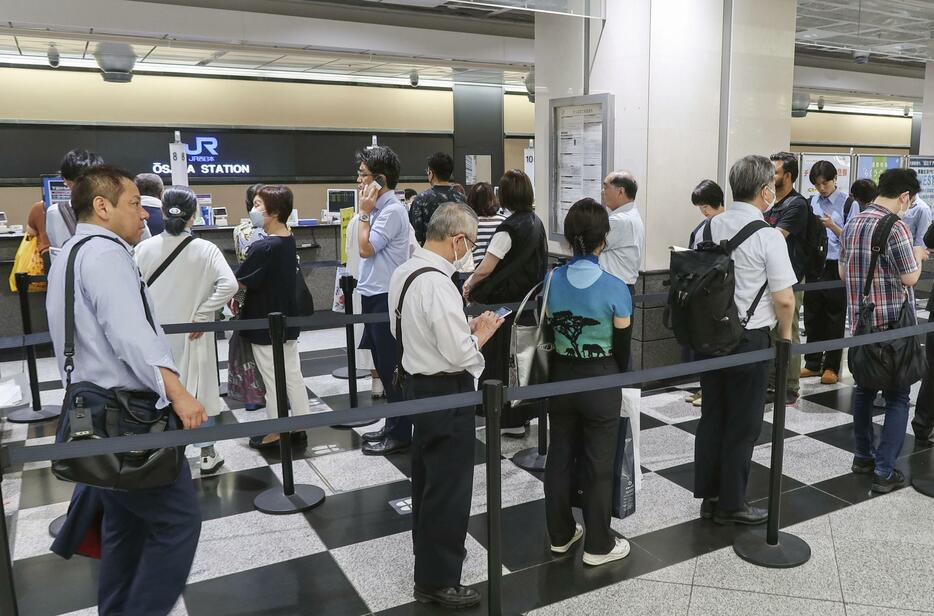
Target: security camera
pixel 413 78
pixel 861 57
pixel 820 103
pixel 907 111
pixel 55 59
pixel 530 85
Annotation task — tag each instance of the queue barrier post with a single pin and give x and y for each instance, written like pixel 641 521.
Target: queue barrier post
pixel 534 458
pixel 348 284
pixel 493 396
pixel 292 498
pixel 38 412
pixel 775 550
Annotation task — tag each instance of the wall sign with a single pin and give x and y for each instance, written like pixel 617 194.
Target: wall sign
pixel 843 164
pixel 871 166
pixel 924 166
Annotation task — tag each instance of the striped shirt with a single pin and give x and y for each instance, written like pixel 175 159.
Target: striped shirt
pixel 486 227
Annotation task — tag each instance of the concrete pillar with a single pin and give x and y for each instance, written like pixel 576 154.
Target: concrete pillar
pixel 927 111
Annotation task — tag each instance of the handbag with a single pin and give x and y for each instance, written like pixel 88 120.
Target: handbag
pixel 244 381
pixel 623 502
pixel 894 364
pixel 304 302
pixel 93 412
pixel 530 346
pixel 28 261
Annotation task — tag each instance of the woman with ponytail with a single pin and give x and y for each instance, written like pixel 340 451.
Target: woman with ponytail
pixel 189 281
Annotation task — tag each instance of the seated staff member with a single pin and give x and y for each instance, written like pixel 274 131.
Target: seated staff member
pixel 584 426
pixel 734 398
pixel 825 310
pixel 440 355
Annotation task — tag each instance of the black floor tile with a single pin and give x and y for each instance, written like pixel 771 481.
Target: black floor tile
pixel 310 585
pixel 765 434
pixel 525 536
pixel 804 504
pixel 686 540
pixel 320 366
pixel 341 402
pixel 403 459
pixel 842 437
pixel 361 515
pixel 41 488
pixel 647 422
pixel 321 441
pixel 840 399
pixel 49 584
pixel 756 489
pixel 232 493
pixel 850 488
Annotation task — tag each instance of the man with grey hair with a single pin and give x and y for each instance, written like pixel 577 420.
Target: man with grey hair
pixel 439 353
pixel 622 256
pixel 733 400
pixel 150 192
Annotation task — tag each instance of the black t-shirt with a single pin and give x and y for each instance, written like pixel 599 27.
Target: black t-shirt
pixel 425 204
pixel 268 272
pixel 791 215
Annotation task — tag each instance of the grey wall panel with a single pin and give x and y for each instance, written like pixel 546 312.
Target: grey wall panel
pixel 478 127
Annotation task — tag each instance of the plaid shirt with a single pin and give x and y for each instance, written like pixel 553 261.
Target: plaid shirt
pixel 887 291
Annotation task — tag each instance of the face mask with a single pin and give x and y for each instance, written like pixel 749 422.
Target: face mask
pixel 256 217
pixel 771 202
pixel 461 262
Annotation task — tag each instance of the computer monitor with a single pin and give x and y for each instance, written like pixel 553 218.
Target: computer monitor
pixel 341 198
pixel 54 190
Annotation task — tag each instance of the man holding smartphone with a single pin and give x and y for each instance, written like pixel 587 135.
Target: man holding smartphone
pixel 383 234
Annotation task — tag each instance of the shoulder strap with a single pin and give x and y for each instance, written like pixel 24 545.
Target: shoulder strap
pixel 847 206
pixel 168 261
pixel 68 349
pixel 708 236
pixel 745 233
pixel 400 349
pixel 880 238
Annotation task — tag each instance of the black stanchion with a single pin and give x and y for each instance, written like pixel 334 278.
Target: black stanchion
pixel 7 587
pixel 348 284
pixel 534 458
pixel 774 549
pixel 38 412
pixel 292 498
pixel 493 396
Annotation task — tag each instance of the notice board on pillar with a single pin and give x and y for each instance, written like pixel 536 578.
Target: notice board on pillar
pixel 581 132
pixel 842 162
pixel 924 167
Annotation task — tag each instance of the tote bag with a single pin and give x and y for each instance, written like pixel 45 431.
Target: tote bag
pixel 28 261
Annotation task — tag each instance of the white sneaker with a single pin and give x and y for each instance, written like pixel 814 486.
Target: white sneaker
pixel 578 533
pixel 211 461
pixel 619 552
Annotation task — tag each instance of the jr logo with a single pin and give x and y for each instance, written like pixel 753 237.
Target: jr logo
pixel 202 144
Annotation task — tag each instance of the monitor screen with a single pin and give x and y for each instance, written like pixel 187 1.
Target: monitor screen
pixel 54 190
pixel 341 198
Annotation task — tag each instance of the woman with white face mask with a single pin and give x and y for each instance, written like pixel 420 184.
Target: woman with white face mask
pixel 250 229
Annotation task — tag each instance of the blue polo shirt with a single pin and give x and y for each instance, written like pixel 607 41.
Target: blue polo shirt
pixel 389 236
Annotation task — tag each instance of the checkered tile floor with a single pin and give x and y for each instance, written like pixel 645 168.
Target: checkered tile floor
pixel 352 555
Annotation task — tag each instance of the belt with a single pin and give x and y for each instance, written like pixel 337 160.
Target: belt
pixel 439 375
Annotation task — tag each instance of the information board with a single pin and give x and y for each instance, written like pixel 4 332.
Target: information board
pixel 581 133
pixel 843 163
pixel 924 166
pixel 871 166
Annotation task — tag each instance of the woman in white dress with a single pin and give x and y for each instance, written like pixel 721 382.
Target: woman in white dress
pixel 191 288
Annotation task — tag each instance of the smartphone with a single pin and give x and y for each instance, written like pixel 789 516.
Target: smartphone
pixel 380 180
pixel 503 312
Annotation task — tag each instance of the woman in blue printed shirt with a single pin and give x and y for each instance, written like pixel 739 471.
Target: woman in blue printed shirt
pixel 589 311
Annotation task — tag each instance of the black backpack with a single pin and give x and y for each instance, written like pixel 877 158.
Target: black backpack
pixel 815 241
pixel 701 309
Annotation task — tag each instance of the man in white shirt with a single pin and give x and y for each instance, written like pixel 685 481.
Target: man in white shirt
pixel 60 221
pixel 440 351
pixel 622 256
pixel 734 398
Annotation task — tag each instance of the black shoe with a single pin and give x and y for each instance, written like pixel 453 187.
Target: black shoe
pixel 791 398
pixel 707 508
pixel 863 466
pixel 299 440
pixel 256 442
pixel 454 598
pixel 895 481
pixel 923 438
pixel 384 447
pixel 374 437
pixel 748 515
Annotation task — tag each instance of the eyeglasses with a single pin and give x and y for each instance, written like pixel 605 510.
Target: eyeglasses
pixel 473 244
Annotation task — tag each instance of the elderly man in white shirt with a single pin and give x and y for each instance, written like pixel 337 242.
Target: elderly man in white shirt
pixel 440 354
pixel 622 256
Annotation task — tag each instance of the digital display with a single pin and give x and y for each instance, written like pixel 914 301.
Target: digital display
pixel 340 198
pixel 54 190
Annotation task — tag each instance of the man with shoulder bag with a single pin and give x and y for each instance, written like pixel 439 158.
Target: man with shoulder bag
pixel 880 268
pixel 121 380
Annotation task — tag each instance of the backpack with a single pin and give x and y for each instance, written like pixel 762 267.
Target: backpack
pixel 701 308
pixel 815 241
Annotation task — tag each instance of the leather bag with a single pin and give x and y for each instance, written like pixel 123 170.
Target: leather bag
pixel 93 412
pixel 893 364
pixel 530 346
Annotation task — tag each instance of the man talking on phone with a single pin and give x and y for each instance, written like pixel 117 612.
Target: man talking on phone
pixel 383 235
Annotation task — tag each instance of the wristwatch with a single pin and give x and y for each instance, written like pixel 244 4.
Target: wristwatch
pixel 364 218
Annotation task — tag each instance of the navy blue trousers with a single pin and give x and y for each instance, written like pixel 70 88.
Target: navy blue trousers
pixel 378 338
pixel 148 541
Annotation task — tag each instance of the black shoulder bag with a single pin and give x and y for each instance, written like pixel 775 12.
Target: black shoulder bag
pixel 399 372
pixel 894 364
pixel 93 412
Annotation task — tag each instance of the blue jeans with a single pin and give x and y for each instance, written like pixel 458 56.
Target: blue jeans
pixel 893 430
pixel 208 424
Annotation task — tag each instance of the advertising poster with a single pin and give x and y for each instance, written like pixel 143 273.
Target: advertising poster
pixel 579 171
pixel 871 167
pixel 924 166
pixel 346 214
pixel 843 163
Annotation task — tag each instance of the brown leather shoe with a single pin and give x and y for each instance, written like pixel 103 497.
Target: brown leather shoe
pixel 806 374
pixel 829 378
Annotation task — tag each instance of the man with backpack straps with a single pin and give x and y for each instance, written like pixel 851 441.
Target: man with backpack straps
pixel 825 309
pixel 734 398
pixel 791 215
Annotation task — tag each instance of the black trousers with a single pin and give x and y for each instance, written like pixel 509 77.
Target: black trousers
pixel 581 454
pixel 496 355
pixel 923 421
pixel 732 407
pixel 825 319
pixel 442 480
pixel 378 338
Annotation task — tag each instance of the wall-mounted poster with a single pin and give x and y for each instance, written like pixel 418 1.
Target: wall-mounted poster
pixel 871 166
pixel 843 163
pixel 924 166
pixel 581 153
